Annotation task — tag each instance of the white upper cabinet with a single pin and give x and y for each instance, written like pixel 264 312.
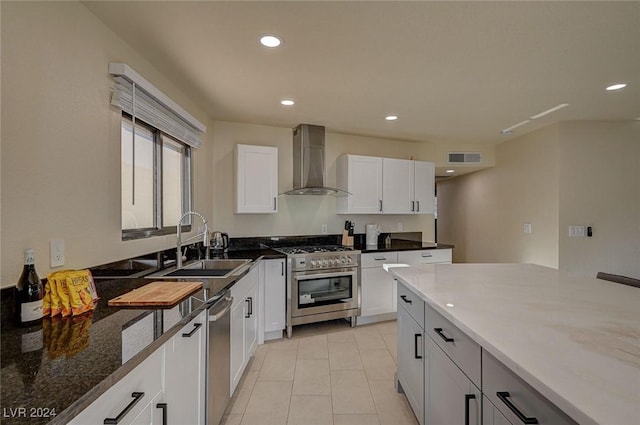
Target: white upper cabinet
pixel 397 186
pixel 256 179
pixel 361 176
pixel 385 185
pixel 423 189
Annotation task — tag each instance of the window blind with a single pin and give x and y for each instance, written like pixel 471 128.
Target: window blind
pixel 138 102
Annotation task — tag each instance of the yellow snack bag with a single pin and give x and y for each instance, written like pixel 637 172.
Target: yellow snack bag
pixel 56 303
pixel 80 296
pixel 63 292
pixel 46 300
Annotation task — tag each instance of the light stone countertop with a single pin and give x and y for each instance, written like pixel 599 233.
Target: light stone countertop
pixel 575 339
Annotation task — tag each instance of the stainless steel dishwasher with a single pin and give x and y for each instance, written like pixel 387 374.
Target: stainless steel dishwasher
pixel 218 359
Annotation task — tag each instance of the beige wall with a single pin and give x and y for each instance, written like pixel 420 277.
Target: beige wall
pixel 483 213
pixel 600 187
pixel 60 138
pixel 571 173
pixel 302 215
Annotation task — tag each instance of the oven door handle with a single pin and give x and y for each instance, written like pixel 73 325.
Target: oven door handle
pixel 324 275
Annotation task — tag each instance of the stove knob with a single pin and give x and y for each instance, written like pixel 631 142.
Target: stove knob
pixel 314 263
pixel 349 260
pixel 343 260
pixel 332 261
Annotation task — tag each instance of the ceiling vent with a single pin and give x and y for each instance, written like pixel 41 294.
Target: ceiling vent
pixel 464 158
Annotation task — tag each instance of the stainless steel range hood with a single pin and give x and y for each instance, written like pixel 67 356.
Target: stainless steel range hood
pixel 309 172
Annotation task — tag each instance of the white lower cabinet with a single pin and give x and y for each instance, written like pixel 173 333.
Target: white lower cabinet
pixel 245 311
pixel 274 298
pixel 451 397
pixel 491 415
pixel 425 256
pixel 378 287
pixel 516 400
pixel 185 363
pixel 411 361
pixel 131 399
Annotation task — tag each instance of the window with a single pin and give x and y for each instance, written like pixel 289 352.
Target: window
pixel 156 180
pixel 157 136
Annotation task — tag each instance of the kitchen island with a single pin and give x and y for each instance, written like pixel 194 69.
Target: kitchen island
pixel 575 340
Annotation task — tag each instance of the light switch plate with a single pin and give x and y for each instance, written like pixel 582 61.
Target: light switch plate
pixel 56 249
pixel 527 228
pixel 577 231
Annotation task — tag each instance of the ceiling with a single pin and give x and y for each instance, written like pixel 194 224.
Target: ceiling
pixel 453 72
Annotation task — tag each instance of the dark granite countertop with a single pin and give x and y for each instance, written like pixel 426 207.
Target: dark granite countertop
pixel 401 245
pixel 83 356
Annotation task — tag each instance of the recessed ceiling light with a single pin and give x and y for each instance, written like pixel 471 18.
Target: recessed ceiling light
pixel 616 86
pixel 450 171
pixel 287 102
pixel 270 40
pixel 391 117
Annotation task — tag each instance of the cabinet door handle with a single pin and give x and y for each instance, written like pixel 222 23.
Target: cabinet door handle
pixel 418 206
pixel 137 396
pixel 380 204
pixel 275 204
pixel 282 268
pixel 196 326
pixel 413 205
pixel 442 335
pixel 248 313
pixel 467 398
pixel 415 346
pixel 404 298
pixel 163 406
pixel 504 397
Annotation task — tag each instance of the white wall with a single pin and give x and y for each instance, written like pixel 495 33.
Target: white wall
pixel 302 215
pixel 483 214
pixel 571 173
pixel 600 187
pixel 61 139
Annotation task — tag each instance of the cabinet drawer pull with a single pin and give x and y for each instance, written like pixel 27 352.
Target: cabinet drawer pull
pixel 163 406
pixel 467 398
pixel 196 326
pixel 137 396
pixel 404 298
pixel 426 255
pixel 415 346
pixel 381 259
pixel 442 335
pixel 504 397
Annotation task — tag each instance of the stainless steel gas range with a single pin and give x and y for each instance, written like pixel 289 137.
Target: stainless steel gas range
pixel 323 284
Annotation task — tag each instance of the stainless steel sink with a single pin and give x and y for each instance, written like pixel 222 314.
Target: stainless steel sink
pixel 215 268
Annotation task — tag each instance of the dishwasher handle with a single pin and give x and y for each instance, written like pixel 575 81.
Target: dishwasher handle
pixel 225 307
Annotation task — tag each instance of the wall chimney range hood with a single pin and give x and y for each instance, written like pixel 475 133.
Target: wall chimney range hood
pixel 309 174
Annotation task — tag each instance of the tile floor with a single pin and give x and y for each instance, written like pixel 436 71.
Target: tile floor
pixel 327 374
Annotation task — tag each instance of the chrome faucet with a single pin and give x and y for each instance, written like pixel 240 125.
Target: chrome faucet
pixel 204 234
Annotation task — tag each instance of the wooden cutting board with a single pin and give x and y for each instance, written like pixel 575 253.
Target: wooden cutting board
pixel 163 294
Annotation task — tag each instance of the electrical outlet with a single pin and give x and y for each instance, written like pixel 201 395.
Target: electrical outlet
pixel 56 249
pixel 400 226
pixel 527 228
pixel 324 229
